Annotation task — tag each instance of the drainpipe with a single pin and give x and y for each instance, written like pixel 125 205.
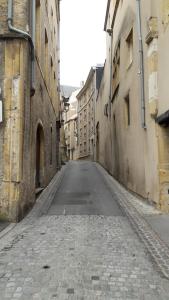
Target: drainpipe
pixel 141 66
pixel 33 15
pixel 110 32
pixel 24 35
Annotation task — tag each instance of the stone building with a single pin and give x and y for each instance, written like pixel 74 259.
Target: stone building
pixel 70 127
pixel 132 111
pixel 86 113
pixel 29 102
pixel 65 92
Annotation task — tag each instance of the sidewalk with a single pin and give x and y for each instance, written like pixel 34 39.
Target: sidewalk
pixel 158 220
pixel 12 231
pixel 151 225
pixel 160 224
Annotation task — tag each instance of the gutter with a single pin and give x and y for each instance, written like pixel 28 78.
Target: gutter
pixel 24 35
pixel 141 66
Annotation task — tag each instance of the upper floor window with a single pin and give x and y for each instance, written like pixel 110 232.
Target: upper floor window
pixel 129 42
pixel 46 5
pixel 127 110
pixel 46 57
pixel 116 68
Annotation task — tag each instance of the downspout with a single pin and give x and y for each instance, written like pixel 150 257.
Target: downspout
pixel 33 8
pixel 110 32
pixel 141 66
pixel 24 35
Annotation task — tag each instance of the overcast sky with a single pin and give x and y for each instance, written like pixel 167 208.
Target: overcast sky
pixel 82 38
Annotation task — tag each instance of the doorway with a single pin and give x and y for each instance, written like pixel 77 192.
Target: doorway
pixel 39 157
pixel 97 141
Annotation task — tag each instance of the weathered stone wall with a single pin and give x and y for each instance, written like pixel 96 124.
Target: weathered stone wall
pixel 20 14
pixel 1 99
pixel 24 113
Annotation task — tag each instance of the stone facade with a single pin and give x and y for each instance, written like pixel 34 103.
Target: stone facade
pixel 70 128
pixel 30 127
pixel 86 113
pixel 132 106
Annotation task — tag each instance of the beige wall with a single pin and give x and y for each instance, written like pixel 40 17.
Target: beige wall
pixel 129 151
pixel 70 127
pixel 23 114
pixel 86 113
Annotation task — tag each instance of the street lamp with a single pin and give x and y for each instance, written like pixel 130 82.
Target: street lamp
pixel 66 103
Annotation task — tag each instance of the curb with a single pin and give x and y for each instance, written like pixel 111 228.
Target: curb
pixel 158 250
pixel 7 229
pixel 46 197
pixel 14 231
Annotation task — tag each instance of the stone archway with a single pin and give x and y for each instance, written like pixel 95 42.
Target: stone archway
pixel 40 157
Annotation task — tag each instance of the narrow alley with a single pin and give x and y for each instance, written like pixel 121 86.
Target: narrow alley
pixel 82 247
pixel 83 192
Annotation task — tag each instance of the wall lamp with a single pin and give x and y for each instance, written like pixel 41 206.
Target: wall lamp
pixel 109 31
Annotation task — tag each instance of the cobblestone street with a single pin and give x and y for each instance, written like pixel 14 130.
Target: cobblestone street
pixel 78 249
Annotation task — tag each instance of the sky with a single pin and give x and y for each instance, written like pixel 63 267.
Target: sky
pixel 82 38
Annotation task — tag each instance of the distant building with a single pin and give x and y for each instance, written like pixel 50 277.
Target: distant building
pixel 70 127
pixel 66 93
pixel 86 113
pixel 29 102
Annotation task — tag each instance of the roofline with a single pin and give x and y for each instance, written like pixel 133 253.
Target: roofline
pixel 107 12
pixel 114 14
pixel 84 88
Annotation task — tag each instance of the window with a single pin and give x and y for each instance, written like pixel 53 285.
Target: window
pixel 46 56
pixel 51 78
pixel 51 12
pixel 127 110
pixel 129 42
pixel 85 115
pixel 46 5
pixel 116 69
pixel 51 133
pixel 80 132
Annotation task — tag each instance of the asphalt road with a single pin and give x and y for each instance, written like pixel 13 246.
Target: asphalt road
pixel 83 191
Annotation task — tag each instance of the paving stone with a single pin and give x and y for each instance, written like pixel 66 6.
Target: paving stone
pixel 89 258
pixel 103 264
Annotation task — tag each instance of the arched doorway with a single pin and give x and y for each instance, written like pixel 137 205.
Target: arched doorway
pixel 97 141
pixel 40 157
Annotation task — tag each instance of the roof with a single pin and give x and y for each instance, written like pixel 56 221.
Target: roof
pixel 99 71
pixel 115 7
pixel 107 13
pixel 67 90
pixel 84 88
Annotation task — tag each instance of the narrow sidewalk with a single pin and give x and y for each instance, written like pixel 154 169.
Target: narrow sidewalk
pixel 149 223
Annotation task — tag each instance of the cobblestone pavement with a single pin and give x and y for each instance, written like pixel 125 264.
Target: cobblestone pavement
pixel 158 249
pixel 78 257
